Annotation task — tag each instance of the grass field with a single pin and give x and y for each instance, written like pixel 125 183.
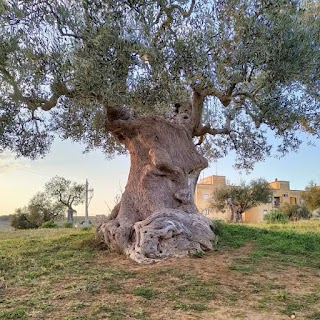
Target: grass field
pixel 255 272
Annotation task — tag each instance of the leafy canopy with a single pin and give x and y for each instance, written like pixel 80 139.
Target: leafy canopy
pixel 40 209
pixel 65 191
pixel 254 64
pixel 311 196
pixel 244 196
pixel 295 212
pixel 49 205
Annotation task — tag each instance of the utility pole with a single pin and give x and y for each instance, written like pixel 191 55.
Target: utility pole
pixel 86 219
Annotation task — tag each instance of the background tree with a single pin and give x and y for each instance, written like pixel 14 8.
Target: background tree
pixel 150 77
pixel 311 196
pixel 20 220
pixel 49 205
pixel 295 212
pixel 241 198
pixel 66 193
pixel 42 209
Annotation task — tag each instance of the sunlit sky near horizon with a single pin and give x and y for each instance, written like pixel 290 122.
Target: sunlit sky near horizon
pixel 20 179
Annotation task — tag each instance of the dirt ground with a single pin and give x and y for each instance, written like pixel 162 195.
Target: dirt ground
pixel 239 295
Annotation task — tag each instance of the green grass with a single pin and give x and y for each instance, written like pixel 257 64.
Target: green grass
pixel 294 243
pixel 147 293
pixel 64 274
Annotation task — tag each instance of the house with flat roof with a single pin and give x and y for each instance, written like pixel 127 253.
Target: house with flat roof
pixel 281 194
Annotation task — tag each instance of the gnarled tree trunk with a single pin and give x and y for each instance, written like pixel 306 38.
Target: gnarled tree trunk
pixel 156 217
pixel 70 211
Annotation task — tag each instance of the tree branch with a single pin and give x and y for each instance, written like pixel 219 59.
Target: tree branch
pixel 59 89
pixel 168 10
pixel 6 74
pixel 197 108
pixel 213 131
pixel 224 98
pixel 60 199
pixel 203 130
pixel 184 13
pixel 60 25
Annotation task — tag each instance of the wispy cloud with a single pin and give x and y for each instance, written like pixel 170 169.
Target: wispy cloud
pixel 8 162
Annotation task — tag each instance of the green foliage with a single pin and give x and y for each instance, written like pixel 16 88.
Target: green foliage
pixel 86 228
pixel 18 313
pixel 67 225
pixel 243 197
pixel 276 216
pixel 147 293
pixel 296 212
pixel 79 59
pixel 65 192
pixel 49 225
pixel 287 212
pixel 42 209
pixel 20 220
pixel 311 196
pixel 47 206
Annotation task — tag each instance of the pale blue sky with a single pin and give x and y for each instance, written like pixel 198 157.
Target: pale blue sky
pixel 20 179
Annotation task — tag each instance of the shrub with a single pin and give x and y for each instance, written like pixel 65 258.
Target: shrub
pixel 276 216
pixel 20 221
pixel 87 228
pixel 67 225
pixel 296 212
pixel 49 224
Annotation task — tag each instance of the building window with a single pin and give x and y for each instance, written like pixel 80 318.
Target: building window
pixel 205 196
pixel 265 211
pixel 285 195
pixel 293 200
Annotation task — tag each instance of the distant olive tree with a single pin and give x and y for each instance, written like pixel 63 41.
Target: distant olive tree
pixel 43 209
pixel 66 192
pixel 241 198
pixel 50 204
pixel 40 209
pixel 21 220
pixel 311 196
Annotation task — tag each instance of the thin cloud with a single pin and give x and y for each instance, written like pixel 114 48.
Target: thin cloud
pixel 8 163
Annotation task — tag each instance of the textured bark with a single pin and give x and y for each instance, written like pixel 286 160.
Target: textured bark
pixel 156 217
pixel 71 211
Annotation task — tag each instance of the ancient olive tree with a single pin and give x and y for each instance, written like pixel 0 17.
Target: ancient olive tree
pixel 66 193
pixel 239 198
pixel 170 82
